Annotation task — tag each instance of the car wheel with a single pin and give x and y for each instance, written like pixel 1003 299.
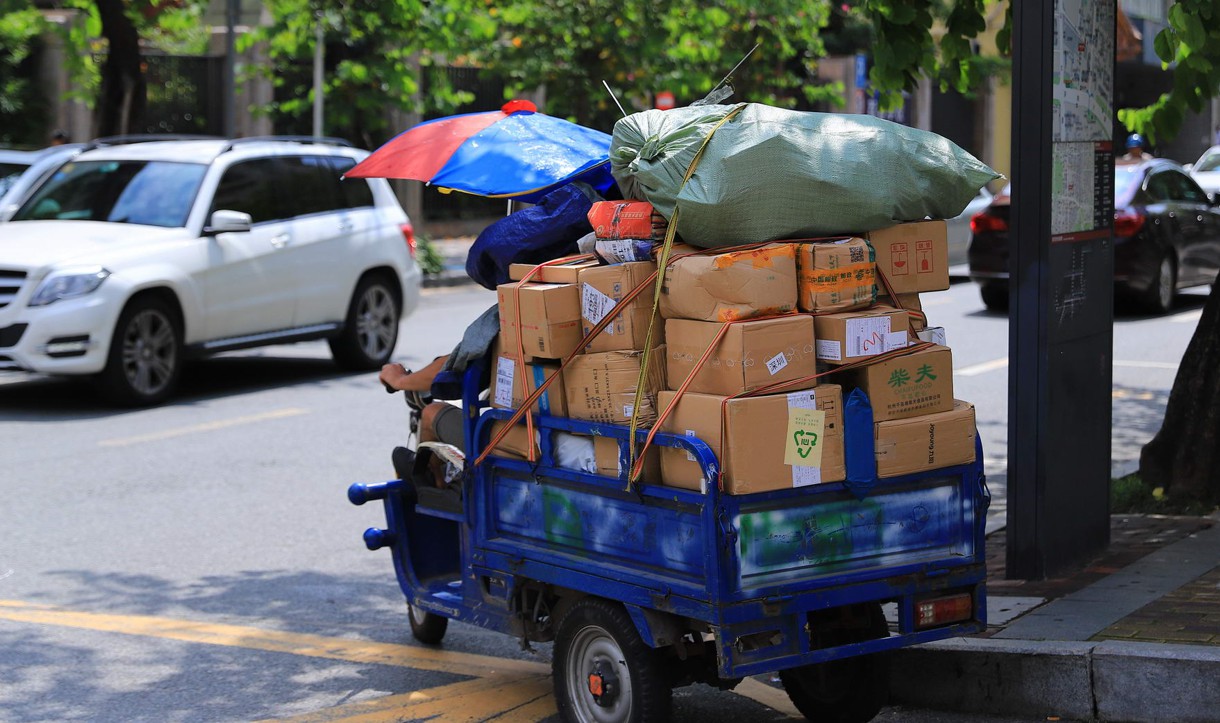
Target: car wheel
pixel 145 357
pixel 848 690
pixel 995 296
pixel 603 672
pixel 428 628
pixel 1159 298
pixel 371 329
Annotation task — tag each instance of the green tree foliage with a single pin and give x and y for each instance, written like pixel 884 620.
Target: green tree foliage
pixel 22 116
pixel 379 54
pixel 641 47
pixel 1191 44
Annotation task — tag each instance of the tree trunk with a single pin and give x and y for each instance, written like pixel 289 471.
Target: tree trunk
pixel 1184 456
pixel 124 93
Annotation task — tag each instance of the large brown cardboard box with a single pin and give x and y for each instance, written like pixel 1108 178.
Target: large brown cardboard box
pixel 601 387
pixel 912 256
pixel 905 386
pixel 506 391
pixel 752 354
pixel 550 317
pixel 731 286
pixel 605 451
pixel 564 271
pixel 835 276
pixel 853 336
pixel 516 443
pixel 930 441
pixel 601 289
pixel 770 442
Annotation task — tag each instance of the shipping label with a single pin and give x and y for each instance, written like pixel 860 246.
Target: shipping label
pixel 829 350
pixel 867 336
pixel 803 447
pixel 594 305
pixel 776 363
pixel 506 370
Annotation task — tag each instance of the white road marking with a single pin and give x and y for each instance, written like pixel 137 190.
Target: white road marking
pixel 1146 364
pixel 205 427
pixel 995 364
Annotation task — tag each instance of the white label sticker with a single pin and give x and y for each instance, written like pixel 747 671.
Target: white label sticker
pixel 806 476
pixel 934 334
pixel 690 434
pixel 806 399
pixel 506 370
pixel 616 251
pixel 776 363
pixel 594 305
pixel 895 340
pixel 867 336
pixel 829 350
pixel 628 409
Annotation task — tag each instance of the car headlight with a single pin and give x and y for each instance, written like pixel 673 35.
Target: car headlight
pixel 67 284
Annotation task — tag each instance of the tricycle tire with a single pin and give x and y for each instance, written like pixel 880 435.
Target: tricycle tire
pixel 597 644
pixel 848 690
pixel 428 628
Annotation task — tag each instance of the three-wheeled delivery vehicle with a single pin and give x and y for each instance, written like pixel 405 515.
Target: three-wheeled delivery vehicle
pixel 645 587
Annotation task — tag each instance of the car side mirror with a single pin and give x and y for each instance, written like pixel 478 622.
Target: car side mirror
pixel 228 222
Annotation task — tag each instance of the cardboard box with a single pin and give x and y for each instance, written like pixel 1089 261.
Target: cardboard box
pixel 515 443
pixel 606 452
pixel 563 272
pixel 905 386
pixel 909 303
pixel 627 220
pixel 550 317
pixel 853 336
pixel 601 289
pixel 731 286
pixel 506 391
pixel 751 354
pixel 770 442
pixel 835 276
pixel 912 256
pixel 926 442
pixel 601 387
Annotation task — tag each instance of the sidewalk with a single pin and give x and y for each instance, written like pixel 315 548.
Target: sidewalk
pixel 1133 635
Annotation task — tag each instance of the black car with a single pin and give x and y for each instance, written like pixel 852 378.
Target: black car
pixel 1166 237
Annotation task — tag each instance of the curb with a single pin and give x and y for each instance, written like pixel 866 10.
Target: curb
pixel 1107 680
pixel 445 279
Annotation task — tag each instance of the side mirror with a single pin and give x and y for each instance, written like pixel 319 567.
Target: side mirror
pixel 228 222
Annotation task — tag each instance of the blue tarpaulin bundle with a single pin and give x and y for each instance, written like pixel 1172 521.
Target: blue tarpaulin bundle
pixel 532 235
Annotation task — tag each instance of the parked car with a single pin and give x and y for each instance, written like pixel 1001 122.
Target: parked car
pixel 21 171
pixel 1166 237
pixel 1206 170
pixel 958 227
pixel 130 258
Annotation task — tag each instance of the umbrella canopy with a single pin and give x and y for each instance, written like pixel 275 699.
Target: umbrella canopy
pixel 515 152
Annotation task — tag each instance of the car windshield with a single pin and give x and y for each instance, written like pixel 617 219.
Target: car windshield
pixel 1208 162
pixel 1127 180
pixel 150 193
pixel 9 173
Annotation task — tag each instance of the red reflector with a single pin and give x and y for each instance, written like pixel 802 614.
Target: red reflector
pixel 595 685
pixel 1127 223
pixel 984 222
pixel 408 233
pixel 943 610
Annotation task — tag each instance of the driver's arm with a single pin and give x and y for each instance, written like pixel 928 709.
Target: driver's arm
pixel 395 376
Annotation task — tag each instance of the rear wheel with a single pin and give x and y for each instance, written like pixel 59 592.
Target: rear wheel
pixel 428 628
pixel 603 672
pixel 849 690
pixel 145 357
pixel 371 328
pixel 995 296
pixel 1159 298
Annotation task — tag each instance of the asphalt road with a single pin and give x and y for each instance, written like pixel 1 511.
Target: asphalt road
pixel 199 561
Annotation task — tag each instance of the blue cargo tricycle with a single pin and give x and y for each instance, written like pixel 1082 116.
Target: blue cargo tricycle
pixel 643 588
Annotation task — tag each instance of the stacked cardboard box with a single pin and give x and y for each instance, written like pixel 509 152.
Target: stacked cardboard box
pixel 754 349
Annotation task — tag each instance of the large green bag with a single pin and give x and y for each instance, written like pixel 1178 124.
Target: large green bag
pixel 768 173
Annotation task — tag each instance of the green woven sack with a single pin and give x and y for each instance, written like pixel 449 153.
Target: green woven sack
pixel 769 173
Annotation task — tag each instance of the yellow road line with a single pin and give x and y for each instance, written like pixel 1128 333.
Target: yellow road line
pixel 531 712
pixel 316 646
pixel 205 427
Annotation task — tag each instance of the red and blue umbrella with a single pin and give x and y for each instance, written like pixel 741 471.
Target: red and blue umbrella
pixel 515 152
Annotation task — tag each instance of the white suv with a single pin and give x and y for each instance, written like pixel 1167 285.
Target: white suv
pixel 131 257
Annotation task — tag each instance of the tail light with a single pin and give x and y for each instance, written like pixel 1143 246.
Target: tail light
pixel 944 610
pixel 1128 223
pixel 984 222
pixel 408 233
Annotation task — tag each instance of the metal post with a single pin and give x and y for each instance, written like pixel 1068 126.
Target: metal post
pixel 319 53
pixel 230 79
pixel 1062 277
